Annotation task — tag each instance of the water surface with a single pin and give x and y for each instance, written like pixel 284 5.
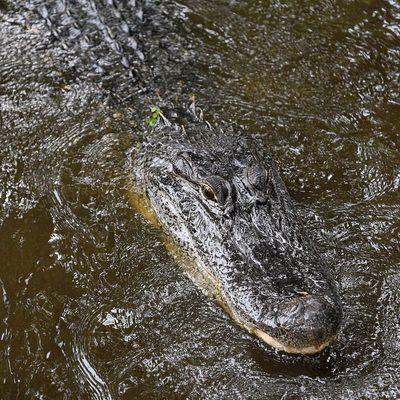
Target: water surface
pixel 92 305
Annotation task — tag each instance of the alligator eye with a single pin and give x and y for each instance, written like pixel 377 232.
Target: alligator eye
pixel 182 165
pixel 257 177
pixel 208 193
pixel 216 189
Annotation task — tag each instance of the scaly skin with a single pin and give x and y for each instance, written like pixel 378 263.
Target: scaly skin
pixel 223 203
pixel 228 208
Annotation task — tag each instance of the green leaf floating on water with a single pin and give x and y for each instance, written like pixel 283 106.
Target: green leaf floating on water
pixel 155 114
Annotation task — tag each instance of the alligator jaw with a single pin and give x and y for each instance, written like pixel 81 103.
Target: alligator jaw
pixel 289 349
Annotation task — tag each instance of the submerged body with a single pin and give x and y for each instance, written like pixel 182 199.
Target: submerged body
pixel 227 207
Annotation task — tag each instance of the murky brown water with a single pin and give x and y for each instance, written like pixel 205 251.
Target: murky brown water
pixel 92 306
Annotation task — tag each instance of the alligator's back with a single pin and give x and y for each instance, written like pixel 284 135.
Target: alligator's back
pixel 130 48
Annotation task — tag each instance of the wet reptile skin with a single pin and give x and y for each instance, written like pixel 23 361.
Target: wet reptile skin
pixel 227 206
pixel 222 202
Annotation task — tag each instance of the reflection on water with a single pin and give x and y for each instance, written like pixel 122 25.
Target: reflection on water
pixel 91 303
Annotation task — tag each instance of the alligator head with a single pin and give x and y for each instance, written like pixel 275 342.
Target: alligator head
pixel 229 209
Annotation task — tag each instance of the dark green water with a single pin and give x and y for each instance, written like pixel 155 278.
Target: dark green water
pixel 92 306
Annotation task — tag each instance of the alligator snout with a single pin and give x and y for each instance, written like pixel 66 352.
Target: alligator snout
pixel 303 324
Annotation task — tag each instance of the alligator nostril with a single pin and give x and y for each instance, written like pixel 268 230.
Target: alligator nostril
pixel 308 320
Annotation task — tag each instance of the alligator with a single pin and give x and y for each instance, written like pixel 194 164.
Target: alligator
pixel 228 208
pixel 219 198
